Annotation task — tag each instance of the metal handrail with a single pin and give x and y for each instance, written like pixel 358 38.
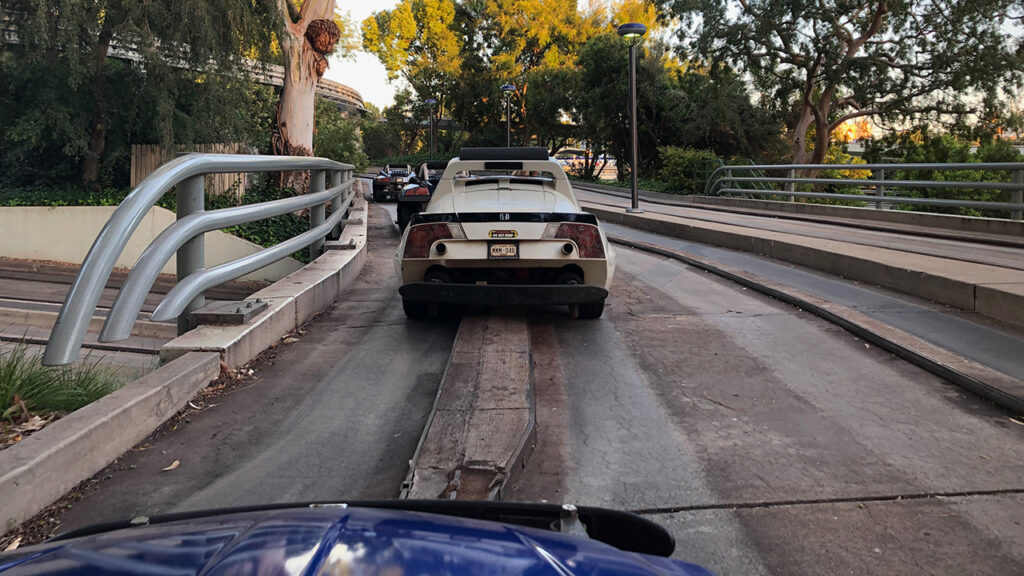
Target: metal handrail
pixel 136 286
pixel 869 182
pixel 947 202
pixel 723 181
pixel 186 173
pixel 181 294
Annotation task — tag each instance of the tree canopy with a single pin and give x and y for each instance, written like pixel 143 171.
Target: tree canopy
pixel 63 97
pixel 826 61
pixel 569 70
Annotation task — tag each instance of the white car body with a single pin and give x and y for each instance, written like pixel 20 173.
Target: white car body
pixel 504 227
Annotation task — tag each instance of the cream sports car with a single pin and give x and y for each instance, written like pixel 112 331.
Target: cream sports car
pixel 504 227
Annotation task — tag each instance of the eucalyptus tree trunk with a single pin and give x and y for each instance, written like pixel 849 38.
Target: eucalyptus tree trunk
pixel 308 36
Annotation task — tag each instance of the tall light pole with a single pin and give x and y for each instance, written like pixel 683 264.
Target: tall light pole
pixel 508 89
pixel 633 33
pixel 431 102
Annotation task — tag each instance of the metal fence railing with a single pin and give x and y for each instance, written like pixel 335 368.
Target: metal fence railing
pixel 764 180
pixel 185 237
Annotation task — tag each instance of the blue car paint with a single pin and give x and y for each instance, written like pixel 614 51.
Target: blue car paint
pixel 335 541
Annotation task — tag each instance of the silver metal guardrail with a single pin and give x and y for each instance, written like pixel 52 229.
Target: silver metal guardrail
pixel 187 175
pixel 726 181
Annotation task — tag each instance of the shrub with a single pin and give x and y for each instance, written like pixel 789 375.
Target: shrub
pixel 50 388
pixel 686 170
pixel 338 137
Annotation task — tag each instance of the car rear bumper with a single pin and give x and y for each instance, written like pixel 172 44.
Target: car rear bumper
pixel 418 201
pixel 502 295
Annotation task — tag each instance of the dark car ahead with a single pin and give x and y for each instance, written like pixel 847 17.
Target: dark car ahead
pixel 390 180
pixel 415 195
pixel 390 537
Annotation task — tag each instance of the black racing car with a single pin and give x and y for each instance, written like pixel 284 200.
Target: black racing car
pixel 415 195
pixel 389 181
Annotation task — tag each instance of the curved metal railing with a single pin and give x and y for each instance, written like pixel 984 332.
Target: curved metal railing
pixel 186 175
pixel 723 181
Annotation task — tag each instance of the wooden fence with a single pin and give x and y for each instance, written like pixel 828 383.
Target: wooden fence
pixel 148 157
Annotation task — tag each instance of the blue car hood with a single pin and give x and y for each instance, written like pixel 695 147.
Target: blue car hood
pixel 344 541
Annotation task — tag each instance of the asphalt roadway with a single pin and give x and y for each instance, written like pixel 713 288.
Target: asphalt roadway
pixel 336 415
pixel 769 441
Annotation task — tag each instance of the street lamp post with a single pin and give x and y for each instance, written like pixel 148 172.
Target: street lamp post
pixel 431 102
pixel 633 33
pixel 508 89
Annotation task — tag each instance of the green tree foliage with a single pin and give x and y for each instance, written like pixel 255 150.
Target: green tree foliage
pixel 337 136
pixel 66 103
pixel 570 71
pixel 416 40
pixel 679 105
pixel 923 144
pixel 829 61
pixel 686 170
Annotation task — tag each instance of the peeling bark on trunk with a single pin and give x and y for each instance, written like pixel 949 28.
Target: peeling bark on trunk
pixel 304 63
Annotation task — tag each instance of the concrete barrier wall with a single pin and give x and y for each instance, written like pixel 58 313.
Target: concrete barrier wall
pixel 926 219
pixel 65 234
pixel 987 290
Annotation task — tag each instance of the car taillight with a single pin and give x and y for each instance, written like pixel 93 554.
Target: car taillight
pixel 418 191
pixel 586 236
pixel 382 177
pixel 422 237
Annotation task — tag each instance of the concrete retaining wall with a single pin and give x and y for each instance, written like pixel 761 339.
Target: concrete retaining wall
pixel 65 234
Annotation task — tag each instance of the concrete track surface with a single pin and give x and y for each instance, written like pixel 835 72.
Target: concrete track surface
pixel 767 440
pixel 336 415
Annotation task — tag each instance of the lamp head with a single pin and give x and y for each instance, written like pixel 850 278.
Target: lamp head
pixel 631 31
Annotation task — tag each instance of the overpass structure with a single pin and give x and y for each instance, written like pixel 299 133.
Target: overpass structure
pixel 345 97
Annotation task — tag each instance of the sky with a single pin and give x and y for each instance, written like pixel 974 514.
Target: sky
pixel 364 72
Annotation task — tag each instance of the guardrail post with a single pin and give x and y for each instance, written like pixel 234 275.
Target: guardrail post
pixel 791 186
pixel 318 213
pixel 192 254
pixel 880 188
pixel 1017 195
pixel 336 180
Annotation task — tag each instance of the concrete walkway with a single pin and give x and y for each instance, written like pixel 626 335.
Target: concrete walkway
pixel 974 277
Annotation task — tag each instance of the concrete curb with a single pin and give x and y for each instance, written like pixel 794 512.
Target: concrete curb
pixel 1000 388
pixel 482 425
pixel 927 277
pixel 46 465
pixel 292 301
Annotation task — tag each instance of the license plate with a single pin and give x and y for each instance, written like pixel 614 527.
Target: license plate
pixel 503 250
